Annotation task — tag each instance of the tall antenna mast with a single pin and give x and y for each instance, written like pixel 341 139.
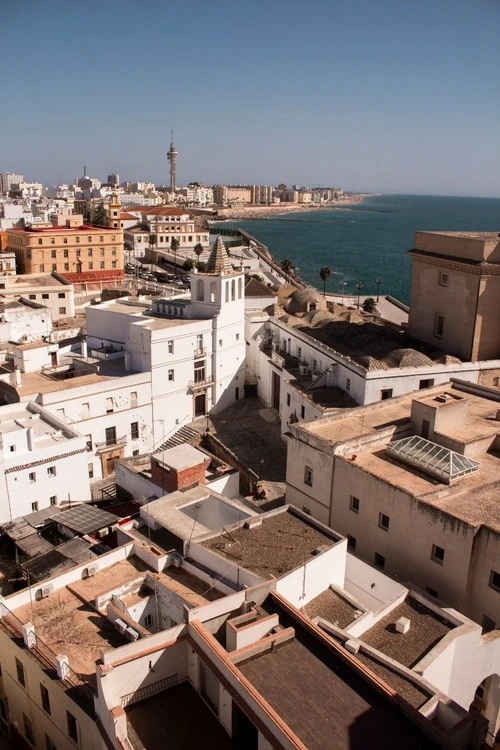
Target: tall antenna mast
pixel 172 158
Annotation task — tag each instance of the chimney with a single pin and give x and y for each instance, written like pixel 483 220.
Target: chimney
pixel 17 376
pixel 31 438
pixel 83 348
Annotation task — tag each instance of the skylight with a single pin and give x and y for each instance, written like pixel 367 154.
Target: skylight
pixel 431 458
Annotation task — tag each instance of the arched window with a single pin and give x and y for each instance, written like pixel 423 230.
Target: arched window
pixel 200 290
pixel 213 289
pixel 240 287
pixel 233 290
pixel 227 291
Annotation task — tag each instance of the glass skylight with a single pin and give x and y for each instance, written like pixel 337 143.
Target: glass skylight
pixel 431 458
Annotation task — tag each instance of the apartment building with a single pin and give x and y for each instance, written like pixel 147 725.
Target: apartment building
pixel 43 461
pixel 47 289
pixel 8 179
pixel 166 223
pixel 455 292
pixel 77 251
pixel 413 483
pixel 242 645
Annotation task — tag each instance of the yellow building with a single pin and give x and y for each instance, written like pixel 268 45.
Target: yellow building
pixel 79 252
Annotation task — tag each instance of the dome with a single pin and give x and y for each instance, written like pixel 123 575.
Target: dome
pixel 304 300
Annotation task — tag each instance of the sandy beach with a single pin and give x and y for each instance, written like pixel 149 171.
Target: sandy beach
pixel 262 212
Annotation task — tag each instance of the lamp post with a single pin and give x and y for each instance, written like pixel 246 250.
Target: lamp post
pixel 344 284
pixel 359 287
pixel 378 281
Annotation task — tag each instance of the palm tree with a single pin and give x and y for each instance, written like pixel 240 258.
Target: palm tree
pixel 198 249
pixel 174 246
pixel 359 286
pixel 152 240
pixel 287 266
pixel 325 272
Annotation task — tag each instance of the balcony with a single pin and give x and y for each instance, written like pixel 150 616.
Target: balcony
pixel 198 384
pixel 111 443
pixel 200 352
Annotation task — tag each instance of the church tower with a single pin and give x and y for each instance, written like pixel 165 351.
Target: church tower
pixel 114 210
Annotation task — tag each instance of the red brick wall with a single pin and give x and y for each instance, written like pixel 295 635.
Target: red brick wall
pixel 171 480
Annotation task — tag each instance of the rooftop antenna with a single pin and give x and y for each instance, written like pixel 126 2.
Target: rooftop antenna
pixel 84 171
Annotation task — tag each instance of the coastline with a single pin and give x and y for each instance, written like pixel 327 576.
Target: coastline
pixel 264 212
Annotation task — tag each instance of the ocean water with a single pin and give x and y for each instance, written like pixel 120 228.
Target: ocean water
pixel 370 239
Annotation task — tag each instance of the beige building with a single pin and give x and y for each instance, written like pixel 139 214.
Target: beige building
pixel 414 483
pixel 79 252
pixel 455 292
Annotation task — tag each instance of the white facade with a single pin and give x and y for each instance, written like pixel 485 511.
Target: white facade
pixel 7 179
pixel 50 290
pixel 43 461
pixel 23 320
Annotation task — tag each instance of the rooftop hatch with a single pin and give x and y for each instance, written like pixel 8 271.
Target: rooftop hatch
pixel 432 458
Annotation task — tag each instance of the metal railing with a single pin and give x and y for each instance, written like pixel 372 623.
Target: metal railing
pixel 200 352
pixel 111 442
pixel 149 690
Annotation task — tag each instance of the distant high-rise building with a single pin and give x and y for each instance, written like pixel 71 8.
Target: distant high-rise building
pixel 113 180
pixel 172 157
pixel 7 179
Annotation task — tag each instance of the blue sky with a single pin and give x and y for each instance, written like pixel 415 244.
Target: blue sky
pixel 374 95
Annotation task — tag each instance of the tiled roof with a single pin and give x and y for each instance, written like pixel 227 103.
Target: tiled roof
pixel 255 288
pixel 219 261
pixel 164 211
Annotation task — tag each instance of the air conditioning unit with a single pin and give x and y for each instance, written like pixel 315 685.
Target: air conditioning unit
pixel 90 571
pixel 120 626
pixel 175 559
pixel 45 591
pixel 131 634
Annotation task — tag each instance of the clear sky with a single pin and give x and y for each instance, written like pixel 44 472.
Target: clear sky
pixel 371 95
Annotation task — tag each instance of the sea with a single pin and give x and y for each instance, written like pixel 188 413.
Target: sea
pixel 368 240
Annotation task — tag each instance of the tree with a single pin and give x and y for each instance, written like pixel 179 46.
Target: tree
pixel 174 246
pixel 99 215
pixel 152 240
pixel 188 264
pixel 369 305
pixel 287 266
pixel 202 266
pixel 359 286
pixel 325 272
pixel 198 249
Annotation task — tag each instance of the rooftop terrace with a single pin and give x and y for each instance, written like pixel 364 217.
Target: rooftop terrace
pixel 272 545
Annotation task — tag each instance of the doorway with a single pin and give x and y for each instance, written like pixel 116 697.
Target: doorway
pixel 200 405
pixel 275 397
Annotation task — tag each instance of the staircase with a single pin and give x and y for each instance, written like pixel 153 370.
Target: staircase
pixel 320 378
pixel 184 435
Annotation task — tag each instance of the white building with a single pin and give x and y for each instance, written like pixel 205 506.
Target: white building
pixel 48 289
pixel 166 223
pixel 23 320
pixel 7 179
pixel 43 461
pixel 29 190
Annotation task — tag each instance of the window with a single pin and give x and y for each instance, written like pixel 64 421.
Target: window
pixel 49 744
pixel 52 253
pixel 220 342
pixel 385 393
pixel 32 476
pixel 72 726
pixel 495 580
pixel 109 406
pixel 66 253
pixel 52 241
pixel 53 499
pixel 383 521
pixel 443 279
pixel 91 470
pixel 354 504
pixel 170 346
pixel 133 399
pixel 88 439
pixel 77 240
pixel 237 337
pixel 78 253
pixel 113 251
pixel 61 295
pixel 34 507
pixel 302 412
pixel 89 238
pixel 348 384
pixel 199 371
pixel 351 542
pixel 12 448
pixel 425 383
pixel 28 730
pixel 101 252
pixel 148 621
pixel 89 251
pixel 54 266
pixel 110 435
pixel 62 311
pixel 102 264
pixel 91 265
pixel 308 476
pixel 237 394
pixel 40 242
pixel 32 296
pixel 288 399
pixel 113 264
pixel 85 411
pixel 379 561
pixel 101 238
pixel 170 375
pixel 134 430
pixel 306 511
pixel 66 266
pixel 42 268
pixel 299 352
pixel 439 326
pixel 20 673
pixel 51 471
pixel 488 624
pixel 44 693
pixel 432 592
pixel 135 452
pixel 437 554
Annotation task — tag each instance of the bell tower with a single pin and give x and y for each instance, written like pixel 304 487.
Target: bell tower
pixel 114 209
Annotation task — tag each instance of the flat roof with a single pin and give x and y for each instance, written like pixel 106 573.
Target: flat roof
pixel 271 545
pixel 180 457
pixel 35 279
pixel 325 702
pixel 426 630
pixel 331 606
